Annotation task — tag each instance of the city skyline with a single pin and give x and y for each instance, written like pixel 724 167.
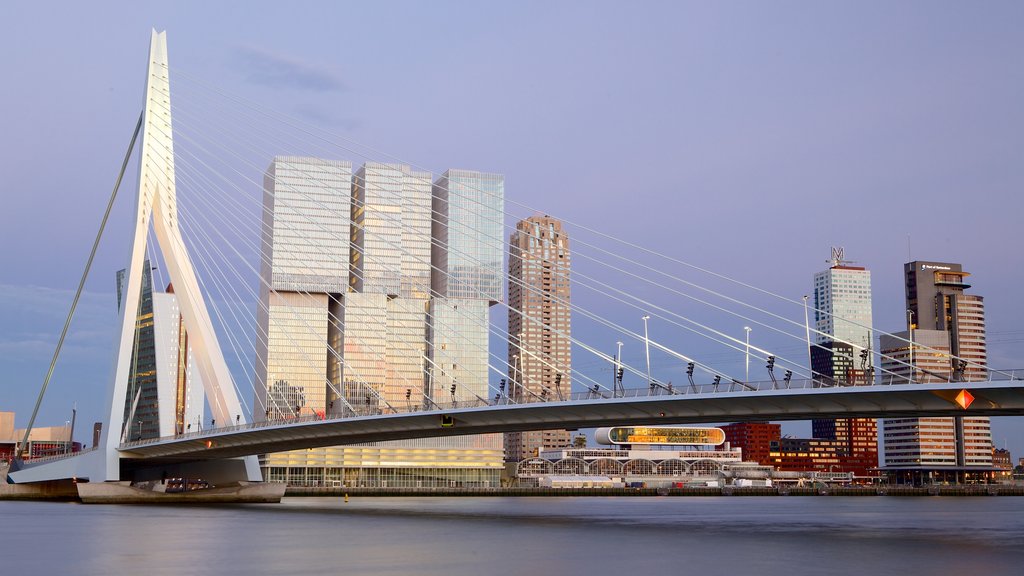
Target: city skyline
pixel 987 252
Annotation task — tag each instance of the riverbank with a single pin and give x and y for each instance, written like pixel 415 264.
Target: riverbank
pixel 975 490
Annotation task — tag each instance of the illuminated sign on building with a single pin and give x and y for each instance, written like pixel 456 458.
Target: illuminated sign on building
pixel 663 436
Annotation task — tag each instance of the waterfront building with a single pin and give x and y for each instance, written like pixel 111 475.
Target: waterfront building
pixel 633 456
pixel 842 355
pixel 1002 460
pixel 846 448
pixel 141 404
pixel 160 353
pixel 754 438
pixel 8 442
pixel 944 341
pixel 539 327
pixel 857 436
pixel 43 441
pixel 468 231
pixel 808 455
pixel 181 405
pixel 351 321
pixel 452 462
pixel 305 260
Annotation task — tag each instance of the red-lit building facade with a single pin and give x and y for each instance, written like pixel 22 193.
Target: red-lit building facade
pixel 850 449
pixel 755 438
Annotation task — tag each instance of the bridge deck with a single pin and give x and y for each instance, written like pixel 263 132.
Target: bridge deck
pixel 896 401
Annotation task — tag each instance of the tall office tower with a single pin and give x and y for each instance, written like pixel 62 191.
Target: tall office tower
pixel 348 322
pixel 539 326
pixel 468 249
pixel 842 317
pixel 842 356
pixel 305 260
pixel 141 404
pixel 467 254
pixel 165 392
pixel 945 340
pixel 391 227
pixel 383 318
pixel 181 405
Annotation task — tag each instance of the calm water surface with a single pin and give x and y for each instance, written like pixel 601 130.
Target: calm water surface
pixel 764 536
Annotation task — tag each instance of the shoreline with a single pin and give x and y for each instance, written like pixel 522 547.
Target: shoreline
pixel 980 490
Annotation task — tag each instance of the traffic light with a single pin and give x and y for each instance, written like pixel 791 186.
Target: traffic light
pixel 771 363
pixel 689 369
pixel 618 375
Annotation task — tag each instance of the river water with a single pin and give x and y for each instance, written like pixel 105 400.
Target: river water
pixel 622 536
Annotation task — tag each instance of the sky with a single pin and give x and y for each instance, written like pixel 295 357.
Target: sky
pixel 744 137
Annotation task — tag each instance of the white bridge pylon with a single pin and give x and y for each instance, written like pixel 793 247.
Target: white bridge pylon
pixel 156 204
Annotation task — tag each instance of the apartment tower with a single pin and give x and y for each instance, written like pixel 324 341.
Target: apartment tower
pixel 539 327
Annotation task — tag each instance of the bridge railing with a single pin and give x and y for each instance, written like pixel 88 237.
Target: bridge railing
pixel 54 457
pixel 656 388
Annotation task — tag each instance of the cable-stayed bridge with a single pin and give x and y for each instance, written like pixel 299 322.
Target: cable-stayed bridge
pixel 408 248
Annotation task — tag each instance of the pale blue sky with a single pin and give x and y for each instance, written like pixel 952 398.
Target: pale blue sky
pixel 744 137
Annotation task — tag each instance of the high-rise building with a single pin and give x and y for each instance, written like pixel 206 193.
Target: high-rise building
pixel 350 321
pixel 842 318
pixel 183 411
pixel 842 357
pixel 944 341
pixel 305 259
pixel 141 404
pixel 539 326
pixel 160 354
pixel 468 231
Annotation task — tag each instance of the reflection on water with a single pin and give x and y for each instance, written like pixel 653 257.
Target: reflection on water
pixel 474 536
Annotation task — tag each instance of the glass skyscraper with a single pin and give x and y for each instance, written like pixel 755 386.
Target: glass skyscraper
pixel 141 405
pixel 468 229
pixel 361 300
pixel 307 205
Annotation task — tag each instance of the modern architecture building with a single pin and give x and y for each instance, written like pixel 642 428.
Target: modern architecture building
pixel 843 356
pixel 848 448
pixel 635 456
pixel 539 326
pixel 141 405
pixel 944 341
pixel 754 438
pixel 353 326
pixel 160 353
pixel 468 230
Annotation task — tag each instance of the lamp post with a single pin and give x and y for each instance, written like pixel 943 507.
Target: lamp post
pixel 617 369
pixel 747 377
pixel 647 349
pixel 807 331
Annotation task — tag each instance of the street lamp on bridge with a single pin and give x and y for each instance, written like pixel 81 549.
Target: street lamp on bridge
pixel 647 348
